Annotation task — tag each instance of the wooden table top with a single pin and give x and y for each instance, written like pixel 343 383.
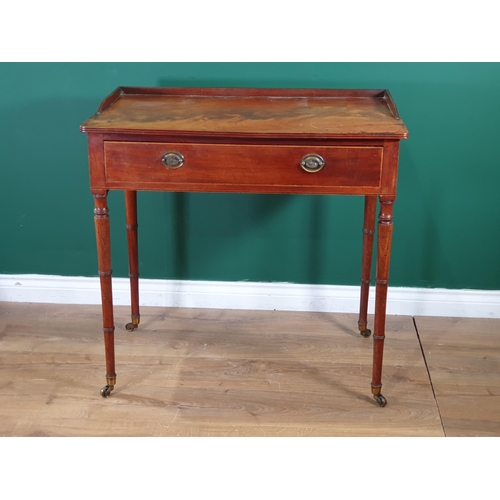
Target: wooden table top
pixel 237 112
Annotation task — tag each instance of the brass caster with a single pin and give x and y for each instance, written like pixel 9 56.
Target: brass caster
pixel 381 401
pixel 130 327
pixel 365 333
pixel 106 390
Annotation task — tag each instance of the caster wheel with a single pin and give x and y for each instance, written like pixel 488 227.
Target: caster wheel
pixel 381 401
pixel 366 333
pixel 130 327
pixel 106 390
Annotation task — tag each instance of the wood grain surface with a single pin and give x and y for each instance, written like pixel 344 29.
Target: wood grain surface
pixel 325 112
pixel 463 356
pixel 200 372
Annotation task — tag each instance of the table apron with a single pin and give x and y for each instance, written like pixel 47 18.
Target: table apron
pixel 243 168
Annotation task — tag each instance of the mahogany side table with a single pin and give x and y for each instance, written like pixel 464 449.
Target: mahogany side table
pixel 246 140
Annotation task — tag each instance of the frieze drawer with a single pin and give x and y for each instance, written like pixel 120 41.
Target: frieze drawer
pixel 225 167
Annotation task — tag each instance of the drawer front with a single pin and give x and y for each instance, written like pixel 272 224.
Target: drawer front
pixel 265 168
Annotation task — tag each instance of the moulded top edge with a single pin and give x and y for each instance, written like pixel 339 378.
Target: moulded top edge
pixel 249 111
pixel 240 92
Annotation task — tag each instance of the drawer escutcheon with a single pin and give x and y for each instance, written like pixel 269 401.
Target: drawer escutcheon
pixel 312 163
pixel 172 160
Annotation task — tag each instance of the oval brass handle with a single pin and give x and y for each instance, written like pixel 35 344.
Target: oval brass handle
pixel 172 160
pixel 312 163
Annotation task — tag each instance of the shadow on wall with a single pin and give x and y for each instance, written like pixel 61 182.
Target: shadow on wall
pixel 418 250
pixel 281 238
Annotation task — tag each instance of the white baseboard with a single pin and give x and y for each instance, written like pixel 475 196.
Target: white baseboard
pixel 247 295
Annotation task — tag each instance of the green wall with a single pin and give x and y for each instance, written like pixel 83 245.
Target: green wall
pixel 447 217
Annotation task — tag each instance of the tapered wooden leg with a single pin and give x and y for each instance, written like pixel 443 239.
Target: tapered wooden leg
pixel 366 263
pixel 382 280
pixel 133 257
pixel 101 219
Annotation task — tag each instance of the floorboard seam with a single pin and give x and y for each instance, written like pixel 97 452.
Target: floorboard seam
pixel 428 373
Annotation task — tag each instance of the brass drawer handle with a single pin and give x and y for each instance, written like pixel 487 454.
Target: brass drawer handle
pixel 312 163
pixel 172 160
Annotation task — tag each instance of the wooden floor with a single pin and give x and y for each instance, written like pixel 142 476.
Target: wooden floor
pixel 201 372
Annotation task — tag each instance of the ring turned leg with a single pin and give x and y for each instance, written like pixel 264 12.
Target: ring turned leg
pixel 101 220
pixel 366 263
pixel 133 259
pixel 383 259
